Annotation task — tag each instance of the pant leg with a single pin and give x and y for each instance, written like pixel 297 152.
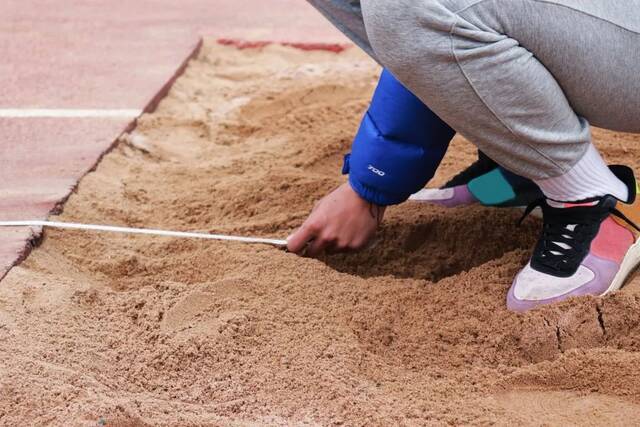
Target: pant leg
pixel 521 79
pixel 346 15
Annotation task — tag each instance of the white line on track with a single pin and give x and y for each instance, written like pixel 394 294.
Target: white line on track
pixel 27 113
pixel 148 231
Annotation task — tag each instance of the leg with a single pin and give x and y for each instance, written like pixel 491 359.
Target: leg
pixel 521 81
pixel 516 77
pixel 346 15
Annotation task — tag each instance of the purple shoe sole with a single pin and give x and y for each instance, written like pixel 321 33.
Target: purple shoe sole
pixel 604 271
pixel 461 197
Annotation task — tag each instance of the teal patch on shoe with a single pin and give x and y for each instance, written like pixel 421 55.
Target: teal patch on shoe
pixel 491 188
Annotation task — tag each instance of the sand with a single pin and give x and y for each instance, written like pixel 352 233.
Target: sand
pixel 101 328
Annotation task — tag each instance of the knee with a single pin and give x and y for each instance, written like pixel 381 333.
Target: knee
pixel 405 32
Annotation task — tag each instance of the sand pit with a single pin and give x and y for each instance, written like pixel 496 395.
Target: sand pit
pixel 413 331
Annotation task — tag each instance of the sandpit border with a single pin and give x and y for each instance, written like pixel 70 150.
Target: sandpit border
pixel 35 238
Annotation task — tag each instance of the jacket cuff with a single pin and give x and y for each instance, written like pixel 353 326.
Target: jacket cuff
pixel 370 194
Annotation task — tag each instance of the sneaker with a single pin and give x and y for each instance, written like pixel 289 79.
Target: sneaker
pixel 483 182
pixel 585 248
pixel 478 168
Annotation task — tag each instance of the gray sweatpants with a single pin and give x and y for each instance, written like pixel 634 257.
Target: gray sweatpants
pixel 346 15
pixel 521 79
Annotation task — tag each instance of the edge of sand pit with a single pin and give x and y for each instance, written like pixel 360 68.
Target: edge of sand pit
pixel 36 234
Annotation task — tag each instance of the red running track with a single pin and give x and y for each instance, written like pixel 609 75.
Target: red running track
pixel 107 55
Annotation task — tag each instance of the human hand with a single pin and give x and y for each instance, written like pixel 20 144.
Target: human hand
pixel 341 221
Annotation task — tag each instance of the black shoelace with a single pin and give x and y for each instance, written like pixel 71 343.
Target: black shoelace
pixel 567 234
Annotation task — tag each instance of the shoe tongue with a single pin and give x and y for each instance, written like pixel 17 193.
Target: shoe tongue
pixel 565 205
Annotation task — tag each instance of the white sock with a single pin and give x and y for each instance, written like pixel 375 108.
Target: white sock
pixel 590 177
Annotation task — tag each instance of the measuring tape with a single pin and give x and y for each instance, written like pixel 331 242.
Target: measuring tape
pixel 147 231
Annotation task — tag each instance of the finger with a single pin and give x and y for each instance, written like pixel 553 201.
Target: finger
pixel 297 242
pixel 317 247
pixel 338 246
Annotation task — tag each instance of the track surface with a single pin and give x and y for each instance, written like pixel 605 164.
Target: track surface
pixel 103 56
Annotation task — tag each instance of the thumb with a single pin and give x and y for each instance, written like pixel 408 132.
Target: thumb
pixel 299 239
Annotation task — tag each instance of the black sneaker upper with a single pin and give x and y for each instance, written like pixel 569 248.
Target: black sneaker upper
pixel 481 166
pixel 567 232
pixel 525 190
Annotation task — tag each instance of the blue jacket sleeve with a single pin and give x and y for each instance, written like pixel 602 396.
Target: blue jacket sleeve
pixel 398 147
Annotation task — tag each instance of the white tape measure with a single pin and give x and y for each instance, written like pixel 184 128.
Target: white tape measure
pixel 147 231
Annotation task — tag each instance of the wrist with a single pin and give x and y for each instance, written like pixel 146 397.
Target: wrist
pixel 353 190
pixel 375 210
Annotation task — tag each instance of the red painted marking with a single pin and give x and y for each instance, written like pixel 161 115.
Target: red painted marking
pixel 257 44
pixel 243 44
pixel 330 47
